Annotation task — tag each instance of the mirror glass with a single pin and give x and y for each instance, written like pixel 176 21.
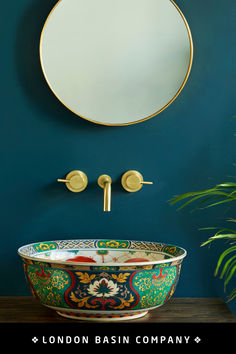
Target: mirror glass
pixel 116 62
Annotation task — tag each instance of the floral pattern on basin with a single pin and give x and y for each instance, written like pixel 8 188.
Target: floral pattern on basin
pixel 126 279
pixel 103 288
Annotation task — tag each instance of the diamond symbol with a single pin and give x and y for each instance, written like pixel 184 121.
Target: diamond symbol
pixel 35 339
pixel 197 340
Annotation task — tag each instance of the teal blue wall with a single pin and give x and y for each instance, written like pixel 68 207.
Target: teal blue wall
pixel 187 147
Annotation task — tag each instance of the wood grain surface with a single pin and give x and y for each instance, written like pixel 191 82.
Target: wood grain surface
pixel 28 310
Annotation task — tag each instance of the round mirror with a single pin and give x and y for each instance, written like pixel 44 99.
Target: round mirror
pixel 116 62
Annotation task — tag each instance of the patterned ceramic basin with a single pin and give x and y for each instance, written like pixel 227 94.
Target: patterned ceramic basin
pixel 102 279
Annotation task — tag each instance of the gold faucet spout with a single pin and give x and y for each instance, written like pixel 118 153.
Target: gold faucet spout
pixel 104 181
pixel 107 197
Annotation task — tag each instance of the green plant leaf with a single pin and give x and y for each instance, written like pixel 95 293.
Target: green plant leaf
pixel 232 295
pixel 218 237
pixel 180 197
pixel 226 266
pixel 227 185
pixel 226 191
pixel 229 199
pixel 229 274
pixel 221 234
pixel 232 220
pixel 222 256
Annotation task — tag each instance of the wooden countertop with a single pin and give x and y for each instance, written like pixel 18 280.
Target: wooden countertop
pixel 26 309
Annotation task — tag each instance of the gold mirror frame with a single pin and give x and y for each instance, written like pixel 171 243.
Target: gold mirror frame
pixel 139 120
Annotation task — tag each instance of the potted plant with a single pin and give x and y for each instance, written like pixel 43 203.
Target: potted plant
pixel 220 194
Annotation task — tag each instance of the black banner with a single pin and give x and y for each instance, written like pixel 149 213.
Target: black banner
pixel 127 335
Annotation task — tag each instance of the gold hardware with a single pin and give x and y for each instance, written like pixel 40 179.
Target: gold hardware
pixel 104 181
pixel 76 181
pixel 132 181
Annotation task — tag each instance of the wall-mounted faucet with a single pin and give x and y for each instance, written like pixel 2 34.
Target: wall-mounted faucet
pixel 132 181
pixel 104 181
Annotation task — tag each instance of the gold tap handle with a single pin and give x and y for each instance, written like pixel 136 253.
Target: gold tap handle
pixel 76 181
pixel 132 181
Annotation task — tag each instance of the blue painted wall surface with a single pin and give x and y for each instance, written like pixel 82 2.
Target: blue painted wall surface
pixel 189 146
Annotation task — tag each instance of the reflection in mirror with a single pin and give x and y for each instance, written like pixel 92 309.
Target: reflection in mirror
pixel 116 62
